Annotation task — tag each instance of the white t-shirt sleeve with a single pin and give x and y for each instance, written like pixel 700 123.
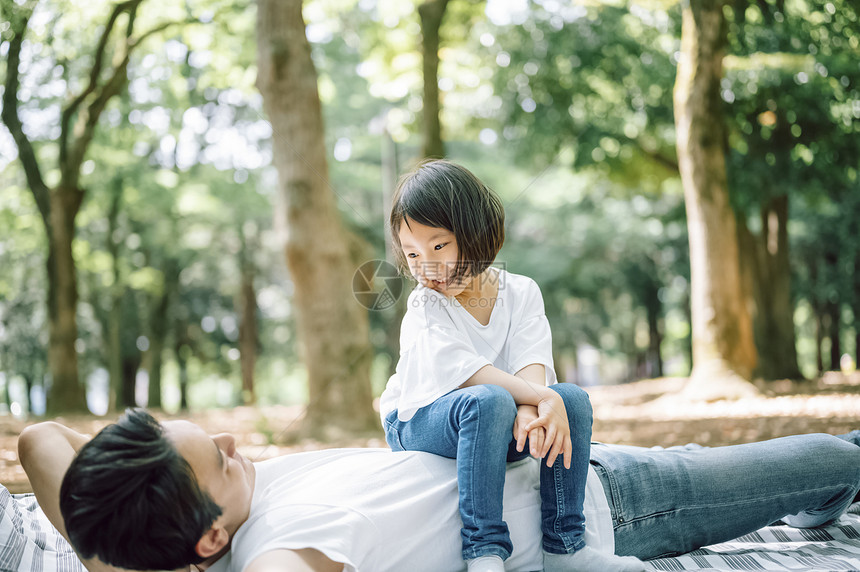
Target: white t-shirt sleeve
pixel 435 356
pixel 342 534
pixel 530 338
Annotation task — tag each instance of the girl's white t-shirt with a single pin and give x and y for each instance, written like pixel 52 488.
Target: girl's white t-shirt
pixel 378 511
pixel 442 345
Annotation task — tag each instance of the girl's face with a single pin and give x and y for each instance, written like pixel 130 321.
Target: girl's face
pixel 431 253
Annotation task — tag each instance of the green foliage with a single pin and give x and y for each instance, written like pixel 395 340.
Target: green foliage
pixel 564 109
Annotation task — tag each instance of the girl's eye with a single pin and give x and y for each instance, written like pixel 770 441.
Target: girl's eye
pixel 411 255
pixel 440 246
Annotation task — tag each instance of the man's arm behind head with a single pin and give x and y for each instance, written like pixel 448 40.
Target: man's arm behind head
pixel 116 498
pixel 46 450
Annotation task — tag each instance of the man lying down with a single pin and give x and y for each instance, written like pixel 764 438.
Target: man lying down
pixel 162 496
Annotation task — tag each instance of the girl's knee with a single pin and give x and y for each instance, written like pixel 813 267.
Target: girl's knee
pixel 492 400
pixel 576 400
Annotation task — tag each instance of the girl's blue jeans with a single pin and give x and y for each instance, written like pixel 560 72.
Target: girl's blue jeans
pixel 671 501
pixel 475 426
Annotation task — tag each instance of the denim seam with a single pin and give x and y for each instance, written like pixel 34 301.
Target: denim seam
pixel 728 504
pixel 490 549
pixel 559 500
pixel 392 428
pixel 615 506
pixel 558 479
pixel 471 553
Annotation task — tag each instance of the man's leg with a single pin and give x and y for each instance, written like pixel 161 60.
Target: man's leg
pixel 673 501
pixel 473 425
pixel 852 437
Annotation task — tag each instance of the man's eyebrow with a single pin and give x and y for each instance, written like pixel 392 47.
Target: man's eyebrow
pixel 218 451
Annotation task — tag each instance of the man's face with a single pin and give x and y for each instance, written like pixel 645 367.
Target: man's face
pixel 221 471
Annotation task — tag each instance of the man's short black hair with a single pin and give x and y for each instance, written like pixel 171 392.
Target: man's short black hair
pixel 130 499
pixel 442 194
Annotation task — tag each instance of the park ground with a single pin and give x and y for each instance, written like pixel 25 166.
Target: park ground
pixel 644 413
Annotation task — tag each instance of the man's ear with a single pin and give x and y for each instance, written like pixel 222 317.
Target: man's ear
pixel 212 541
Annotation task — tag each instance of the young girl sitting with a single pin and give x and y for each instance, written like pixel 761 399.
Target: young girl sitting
pixel 475 380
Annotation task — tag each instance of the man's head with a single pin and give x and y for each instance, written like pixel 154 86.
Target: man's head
pixel 144 495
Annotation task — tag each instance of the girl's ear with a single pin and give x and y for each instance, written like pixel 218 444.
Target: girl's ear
pixel 212 541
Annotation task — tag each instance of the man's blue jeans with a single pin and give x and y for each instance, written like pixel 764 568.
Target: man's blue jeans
pixel 475 426
pixel 671 501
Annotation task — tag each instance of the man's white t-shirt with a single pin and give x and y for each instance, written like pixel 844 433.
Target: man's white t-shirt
pixel 375 511
pixel 442 345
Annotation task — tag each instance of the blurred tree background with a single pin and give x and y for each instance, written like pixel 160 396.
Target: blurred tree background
pixel 155 250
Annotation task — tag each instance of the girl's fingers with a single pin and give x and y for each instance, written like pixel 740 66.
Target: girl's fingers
pixel 557 448
pixel 568 453
pixel 535 441
pixel 536 423
pixel 548 441
pixel 521 439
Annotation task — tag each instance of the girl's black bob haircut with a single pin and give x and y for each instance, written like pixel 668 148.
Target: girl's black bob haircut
pixel 442 194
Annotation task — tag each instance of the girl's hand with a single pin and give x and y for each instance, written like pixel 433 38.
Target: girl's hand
pixel 552 416
pixel 525 415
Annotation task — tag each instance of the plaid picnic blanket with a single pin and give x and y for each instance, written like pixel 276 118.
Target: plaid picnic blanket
pixel 29 543
pixel 835 547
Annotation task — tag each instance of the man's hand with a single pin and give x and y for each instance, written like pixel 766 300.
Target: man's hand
pixel 525 415
pixel 552 416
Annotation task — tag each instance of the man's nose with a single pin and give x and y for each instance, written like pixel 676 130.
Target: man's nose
pixel 227 442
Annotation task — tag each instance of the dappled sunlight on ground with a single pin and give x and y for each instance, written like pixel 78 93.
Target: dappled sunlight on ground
pixel 647 413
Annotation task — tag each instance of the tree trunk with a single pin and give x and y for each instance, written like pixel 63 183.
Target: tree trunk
pixel 114 351
pixel 332 326
pixel 159 326
pixel 7 397
pixel 834 324
pixel 181 351
pixel 856 310
pixel 817 314
pixel 655 338
pixel 114 329
pixel 724 354
pixel 248 330
pixel 66 393
pixel 28 387
pixel 182 363
pixel 130 365
pixel 819 339
pixel 687 307
pixel 832 305
pixel 766 276
pixel 648 296
pixel 59 206
pixel 431 13
pixel 156 362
